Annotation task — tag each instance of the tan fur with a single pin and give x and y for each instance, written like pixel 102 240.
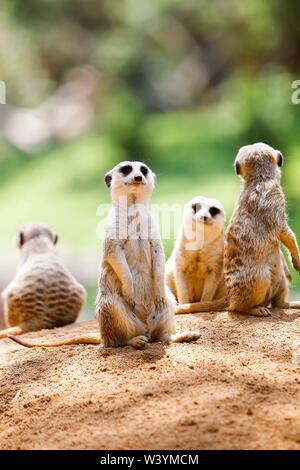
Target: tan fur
pixel 86 338
pixel 255 271
pixel 43 294
pixel 133 304
pixel 194 272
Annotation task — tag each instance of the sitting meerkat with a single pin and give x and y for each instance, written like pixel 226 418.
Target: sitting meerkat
pixel 255 271
pixel 43 294
pixel 194 272
pixel 133 304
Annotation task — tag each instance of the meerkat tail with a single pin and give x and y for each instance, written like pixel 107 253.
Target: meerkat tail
pixel 185 337
pixel 207 306
pixel 295 305
pixel 15 330
pixel 88 338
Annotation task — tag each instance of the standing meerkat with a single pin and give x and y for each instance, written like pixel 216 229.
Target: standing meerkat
pixel 255 271
pixel 43 294
pixel 194 272
pixel 133 304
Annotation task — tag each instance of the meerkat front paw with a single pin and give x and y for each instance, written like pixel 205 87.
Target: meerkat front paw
pixel 160 303
pixel 138 342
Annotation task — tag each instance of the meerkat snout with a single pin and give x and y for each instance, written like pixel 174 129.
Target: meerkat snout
pixel 204 213
pixel 257 160
pixel 207 211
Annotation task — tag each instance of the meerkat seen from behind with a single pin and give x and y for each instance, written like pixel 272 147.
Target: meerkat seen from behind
pixel 194 272
pixel 255 270
pixel 43 294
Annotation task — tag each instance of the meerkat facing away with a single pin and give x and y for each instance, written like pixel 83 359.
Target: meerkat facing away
pixel 194 272
pixel 255 270
pixel 133 304
pixel 43 294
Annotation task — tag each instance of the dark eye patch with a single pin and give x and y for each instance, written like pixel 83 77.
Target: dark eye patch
pixel 196 207
pixel 214 211
pixel 144 170
pixel 125 170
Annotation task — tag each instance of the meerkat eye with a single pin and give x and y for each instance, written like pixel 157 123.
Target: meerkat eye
pixel 125 170
pixel 144 170
pixel 214 211
pixel 196 207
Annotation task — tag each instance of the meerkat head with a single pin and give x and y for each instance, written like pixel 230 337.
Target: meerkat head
pixel 35 233
pixel 130 178
pixel 258 161
pixel 202 213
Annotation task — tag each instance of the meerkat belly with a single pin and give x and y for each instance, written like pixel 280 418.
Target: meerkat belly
pixel 138 255
pixel 197 274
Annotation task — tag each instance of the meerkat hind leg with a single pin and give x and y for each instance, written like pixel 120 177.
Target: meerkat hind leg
pixel 260 311
pixel 164 330
pixel 119 326
pixel 253 300
pixel 280 299
pixel 166 333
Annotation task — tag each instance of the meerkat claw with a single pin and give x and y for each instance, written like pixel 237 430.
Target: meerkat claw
pixel 261 312
pixel 139 342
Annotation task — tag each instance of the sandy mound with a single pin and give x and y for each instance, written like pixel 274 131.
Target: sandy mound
pixel 235 388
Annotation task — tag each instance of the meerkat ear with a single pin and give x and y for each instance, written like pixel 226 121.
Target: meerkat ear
pixel 107 179
pixel 20 239
pixel 279 158
pixel 55 238
pixel 237 168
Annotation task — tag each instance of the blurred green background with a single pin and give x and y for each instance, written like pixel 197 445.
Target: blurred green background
pixel 178 84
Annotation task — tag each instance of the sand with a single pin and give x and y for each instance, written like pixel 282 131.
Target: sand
pixel 235 388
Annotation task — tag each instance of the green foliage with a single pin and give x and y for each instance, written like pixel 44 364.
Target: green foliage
pixel 62 187
pixel 183 84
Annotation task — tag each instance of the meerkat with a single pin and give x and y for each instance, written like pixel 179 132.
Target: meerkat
pixel 256 274
pixel 194 272
pixel 134 305
pixel 43 294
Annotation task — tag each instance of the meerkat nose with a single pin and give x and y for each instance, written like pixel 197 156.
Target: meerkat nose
pixel 138 179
